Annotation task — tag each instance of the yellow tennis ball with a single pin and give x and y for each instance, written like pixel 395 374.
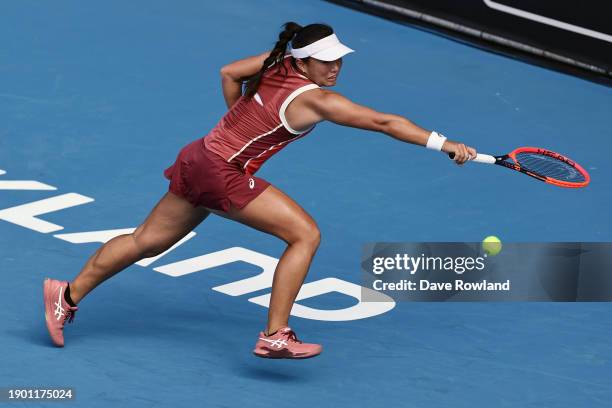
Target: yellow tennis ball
pixel 491 245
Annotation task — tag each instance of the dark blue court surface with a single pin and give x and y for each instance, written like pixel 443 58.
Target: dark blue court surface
pixel 97 99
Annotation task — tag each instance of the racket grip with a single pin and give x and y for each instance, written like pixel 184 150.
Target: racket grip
pixel 480 158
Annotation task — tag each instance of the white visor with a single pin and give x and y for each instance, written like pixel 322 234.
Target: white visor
pixel 326 49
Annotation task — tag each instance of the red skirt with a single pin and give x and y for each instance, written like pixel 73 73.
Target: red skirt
pixel 205 179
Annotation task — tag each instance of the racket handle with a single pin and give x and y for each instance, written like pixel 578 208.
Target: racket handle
pixel 480 158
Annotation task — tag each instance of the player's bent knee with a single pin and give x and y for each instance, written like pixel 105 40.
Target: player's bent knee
pixel 310 235
pixel 315 237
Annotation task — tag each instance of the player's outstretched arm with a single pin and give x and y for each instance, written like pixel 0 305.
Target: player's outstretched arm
pixel 332 106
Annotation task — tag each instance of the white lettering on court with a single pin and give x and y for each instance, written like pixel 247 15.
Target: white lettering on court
pixel 378 303
pixel 25 214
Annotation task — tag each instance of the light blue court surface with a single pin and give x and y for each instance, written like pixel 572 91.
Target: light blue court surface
pixel 96 99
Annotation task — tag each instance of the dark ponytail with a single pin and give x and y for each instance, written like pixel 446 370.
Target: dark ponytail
pixel 276 56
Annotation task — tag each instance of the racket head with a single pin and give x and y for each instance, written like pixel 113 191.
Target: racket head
pixel 550 167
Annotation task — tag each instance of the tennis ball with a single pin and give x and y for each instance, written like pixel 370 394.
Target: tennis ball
pixel 491 245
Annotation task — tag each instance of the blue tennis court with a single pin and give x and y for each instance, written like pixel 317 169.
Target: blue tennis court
pixel 97 99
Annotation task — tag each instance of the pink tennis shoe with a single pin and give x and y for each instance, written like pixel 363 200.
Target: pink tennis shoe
pixel 57 310
pixel 284 344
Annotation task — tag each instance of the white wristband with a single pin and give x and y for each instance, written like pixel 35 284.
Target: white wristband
pixel 435 141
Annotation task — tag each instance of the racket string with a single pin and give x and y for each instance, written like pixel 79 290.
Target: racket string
pixel 549 167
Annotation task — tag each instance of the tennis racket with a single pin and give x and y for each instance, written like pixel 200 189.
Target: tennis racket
pixel 544 165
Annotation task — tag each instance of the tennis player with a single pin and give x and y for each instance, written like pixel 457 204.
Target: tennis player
pixel 282 101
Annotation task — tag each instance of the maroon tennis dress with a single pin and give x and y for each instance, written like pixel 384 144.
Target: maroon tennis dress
pixel 217 170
